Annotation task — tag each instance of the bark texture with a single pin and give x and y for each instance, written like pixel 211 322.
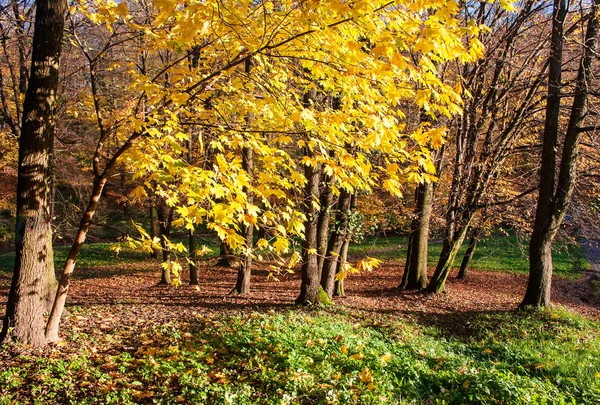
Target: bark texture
pixel 468 256
pixel 336 242
pixel 310 287
pixel 24 321
pixel 415 271
pixel 554 196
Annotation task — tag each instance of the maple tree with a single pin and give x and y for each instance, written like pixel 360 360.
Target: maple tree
pixel 355 50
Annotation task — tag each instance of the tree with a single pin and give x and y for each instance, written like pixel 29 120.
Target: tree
pixel 555 193
pixel 354 51
pixel 500 102
pixel 12 89
pixel 24 314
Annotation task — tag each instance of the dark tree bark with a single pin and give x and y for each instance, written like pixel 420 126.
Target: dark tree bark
pixel 310 287
pixel 468 256
pixel 165 219
pixel 226 256
pixel 154 231
pixel 242 285
pixel 336 242
pixel 554 196
pixel 415 270
pixel 24 321
pixel 192 258
pixel 338 290
pixel 326 202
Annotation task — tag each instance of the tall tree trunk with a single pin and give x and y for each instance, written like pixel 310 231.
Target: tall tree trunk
pixel 192 258
pixel 154 232
pixel 468 256
pixel 336 242
pixel 65 279
pixel 450 249
pixel 24 321
pixel 165 219
pixel 242 284
pixel 50 281
pixel 540 244
pixel 338 290
pixel 310 287
pixel 415 271
pixel 326 202
pixel 553 200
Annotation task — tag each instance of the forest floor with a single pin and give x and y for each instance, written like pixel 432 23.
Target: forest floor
pixel 128 340
pixel 126 293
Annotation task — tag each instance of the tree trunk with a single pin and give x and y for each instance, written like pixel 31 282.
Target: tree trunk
pixel 242 285
pixel 450 249
pixel 415 271
pixel 464 266
pixel 154 232
pixel 65 278
pixel 336 243
pixel 192 258
pixel 165 219
pixel 553 200
pixel 326 202
pixel 24 321
pixel 338 290
pixel 226 257
pixel 50 281
pixel 310 287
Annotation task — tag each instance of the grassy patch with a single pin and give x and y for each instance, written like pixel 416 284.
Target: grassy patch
pixel 498 252
pixel 320 357
pixel 103 254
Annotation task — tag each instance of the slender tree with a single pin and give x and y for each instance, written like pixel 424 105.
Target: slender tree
pixel 555 194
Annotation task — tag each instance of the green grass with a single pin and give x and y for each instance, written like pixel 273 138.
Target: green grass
pixel 320 357
pixel 497 253
pixel 103 254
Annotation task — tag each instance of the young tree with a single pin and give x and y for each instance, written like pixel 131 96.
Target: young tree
pixel 24 321
pixel 501 99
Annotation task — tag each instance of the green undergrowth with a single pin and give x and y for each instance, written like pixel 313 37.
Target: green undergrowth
pixel 319 357
pixel 496 253
pixel 104 254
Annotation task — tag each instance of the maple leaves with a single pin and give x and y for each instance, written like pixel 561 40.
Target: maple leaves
pixel 357 58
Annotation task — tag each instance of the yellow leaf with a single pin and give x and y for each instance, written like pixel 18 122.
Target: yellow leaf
pixel 344 349
pixel 122 9
pixel 281 245
pixel 386 357
pixel 358 356
pixel 366 376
